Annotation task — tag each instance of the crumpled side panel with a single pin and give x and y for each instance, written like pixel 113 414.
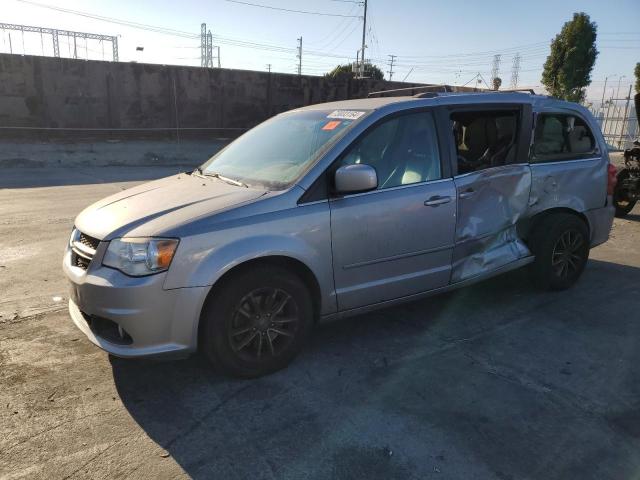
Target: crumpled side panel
pixel 490 204
pixel 499 199
pixel 579 185
pixel 483 255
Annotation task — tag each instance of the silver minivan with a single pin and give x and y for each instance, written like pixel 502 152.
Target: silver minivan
pixel 336 209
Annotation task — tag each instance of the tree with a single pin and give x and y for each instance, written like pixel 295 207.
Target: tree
pixel 371 71
pixel 567 71
pixel 496 82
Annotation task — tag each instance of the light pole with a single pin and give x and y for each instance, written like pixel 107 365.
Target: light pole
pixel 604 90
pixel 619 80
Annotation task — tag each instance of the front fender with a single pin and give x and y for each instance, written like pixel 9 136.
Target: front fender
pixel 203 259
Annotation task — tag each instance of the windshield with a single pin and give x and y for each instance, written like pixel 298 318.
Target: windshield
pixel 275 153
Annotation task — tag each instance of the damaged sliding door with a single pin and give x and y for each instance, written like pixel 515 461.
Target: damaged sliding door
pixel 490 203
pixel 490 148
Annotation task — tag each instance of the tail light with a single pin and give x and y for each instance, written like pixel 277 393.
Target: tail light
pixel 611 179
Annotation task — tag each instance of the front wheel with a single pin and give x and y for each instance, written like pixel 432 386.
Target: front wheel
pixel 621 195
pixel 256 322
pixel 560 244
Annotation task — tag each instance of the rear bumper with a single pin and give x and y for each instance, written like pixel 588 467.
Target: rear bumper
pixel 601 221
pixel 157 322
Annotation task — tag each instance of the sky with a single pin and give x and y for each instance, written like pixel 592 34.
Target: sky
pixel 434 41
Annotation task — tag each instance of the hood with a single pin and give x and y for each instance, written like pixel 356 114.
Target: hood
pixel 152 208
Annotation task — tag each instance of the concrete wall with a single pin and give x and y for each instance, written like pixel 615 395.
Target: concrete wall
pixel 66 93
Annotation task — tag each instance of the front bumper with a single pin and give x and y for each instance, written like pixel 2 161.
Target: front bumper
pixel 155 321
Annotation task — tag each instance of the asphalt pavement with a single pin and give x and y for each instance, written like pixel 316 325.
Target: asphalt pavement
pixel 494 381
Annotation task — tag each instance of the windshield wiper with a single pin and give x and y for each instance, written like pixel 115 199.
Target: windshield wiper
pixel 227 179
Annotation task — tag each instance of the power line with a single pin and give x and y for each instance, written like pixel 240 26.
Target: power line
pixel 342 39
pixel 142 26
pixel 341 26
pixel 325 14
pixel 249 44
pixel 486 52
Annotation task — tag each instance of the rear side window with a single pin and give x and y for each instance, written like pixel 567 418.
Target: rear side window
pixel 560 137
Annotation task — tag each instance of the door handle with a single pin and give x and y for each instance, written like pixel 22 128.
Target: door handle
pixel 467 193
pixel 437 200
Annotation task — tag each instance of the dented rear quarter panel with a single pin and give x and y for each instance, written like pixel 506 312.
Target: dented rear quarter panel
pixel 579 185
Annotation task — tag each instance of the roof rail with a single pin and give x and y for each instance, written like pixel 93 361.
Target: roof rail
pixel 513 90
pixel 411 90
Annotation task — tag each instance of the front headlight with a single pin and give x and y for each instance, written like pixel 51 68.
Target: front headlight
pixel 140 256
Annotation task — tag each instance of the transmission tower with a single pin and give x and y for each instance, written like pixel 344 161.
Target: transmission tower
pixel 495 68
pixel 209 50
pixel 56 33
pixel 218 56
pixel 203 45
pixel 392 59
pixel 515 71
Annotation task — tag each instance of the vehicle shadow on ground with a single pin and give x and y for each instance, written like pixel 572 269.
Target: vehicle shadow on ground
pixel 406 392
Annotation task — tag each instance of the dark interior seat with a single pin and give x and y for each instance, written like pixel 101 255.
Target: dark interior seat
pixel 479 135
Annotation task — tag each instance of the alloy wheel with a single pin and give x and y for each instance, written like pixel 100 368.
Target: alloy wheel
pixel 263 324
pixel 566 258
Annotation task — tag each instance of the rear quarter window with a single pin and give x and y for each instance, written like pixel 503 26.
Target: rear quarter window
pixel 561 137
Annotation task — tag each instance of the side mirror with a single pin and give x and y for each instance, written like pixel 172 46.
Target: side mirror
pixel 356 178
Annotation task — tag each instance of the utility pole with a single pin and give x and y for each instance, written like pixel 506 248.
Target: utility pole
pixel 269 67
pixel 299 56
pixel 364 31
pixel 392 59
pixel 218 48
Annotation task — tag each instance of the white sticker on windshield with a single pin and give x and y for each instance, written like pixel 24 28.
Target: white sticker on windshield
pixel 346 114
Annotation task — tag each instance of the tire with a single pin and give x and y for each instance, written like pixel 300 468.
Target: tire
pixel 256 322
pixel 560 243
pixel 620 201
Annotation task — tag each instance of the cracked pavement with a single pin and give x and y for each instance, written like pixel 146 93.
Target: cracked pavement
pixel 494 381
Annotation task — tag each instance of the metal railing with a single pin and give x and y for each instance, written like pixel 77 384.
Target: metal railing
pixel 618 120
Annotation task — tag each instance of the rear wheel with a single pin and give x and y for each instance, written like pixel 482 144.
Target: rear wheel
pixel 257 322
pixel 560 244
pixel 621 195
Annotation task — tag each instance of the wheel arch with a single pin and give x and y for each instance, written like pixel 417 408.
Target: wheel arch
pixel 293 265
pixel 527 226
